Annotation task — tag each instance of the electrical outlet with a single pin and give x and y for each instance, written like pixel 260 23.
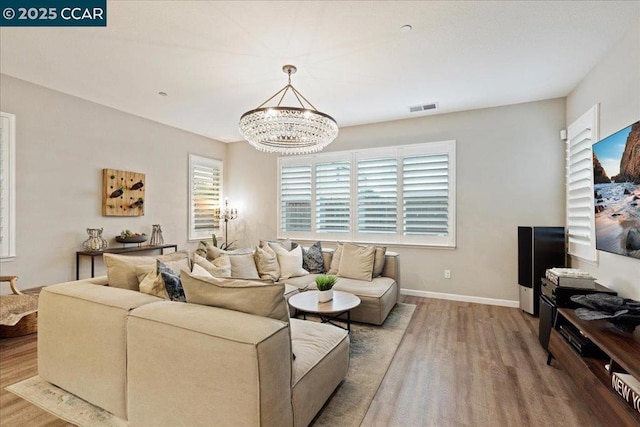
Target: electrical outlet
pixel 447 274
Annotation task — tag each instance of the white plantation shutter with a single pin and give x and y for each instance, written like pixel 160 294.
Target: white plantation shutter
pixel 425 195
pixel 378 196
pixel 7 187
pixel 205 195
pixel 581 135
pixel 333 197
pixel 295 198
pixel 402 194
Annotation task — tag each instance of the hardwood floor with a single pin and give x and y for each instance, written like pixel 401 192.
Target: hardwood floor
pixel 459 364
pixel 463 364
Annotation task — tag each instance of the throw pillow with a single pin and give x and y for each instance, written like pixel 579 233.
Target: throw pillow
pixel 172 282
pixel 214 252
pixel 121 270
pixel 143 270
pixel 335 260
pixel 219 267
pixel 151 282
pixel 200 271
pixel 312 259
pixel 174 256
pixel 261 299
pixel 285 243
pixel 267 262
pixel 290 262
pixel 243 267
pixel 356 262
pixel 378 262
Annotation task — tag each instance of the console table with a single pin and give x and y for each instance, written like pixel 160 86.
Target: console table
pixel 94 254
pixel 620 350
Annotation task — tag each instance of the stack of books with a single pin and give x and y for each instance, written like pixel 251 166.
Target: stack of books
pixel 571 277
pixel 628 388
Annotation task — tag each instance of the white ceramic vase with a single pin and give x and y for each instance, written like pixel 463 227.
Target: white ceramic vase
pixel 324 296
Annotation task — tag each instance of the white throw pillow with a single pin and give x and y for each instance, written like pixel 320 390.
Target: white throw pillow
pixel 290 262
pixel 200 271
pixel 219 267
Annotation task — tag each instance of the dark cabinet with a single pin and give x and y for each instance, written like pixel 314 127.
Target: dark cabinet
pixel 590 351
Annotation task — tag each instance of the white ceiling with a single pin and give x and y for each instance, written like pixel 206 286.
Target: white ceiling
pixel 217 59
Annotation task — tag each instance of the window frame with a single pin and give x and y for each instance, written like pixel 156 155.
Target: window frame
pixel 353 156
pixel 8 182
pixel 196 160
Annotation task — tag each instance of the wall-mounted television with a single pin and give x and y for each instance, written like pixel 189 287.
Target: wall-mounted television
pixel 616 177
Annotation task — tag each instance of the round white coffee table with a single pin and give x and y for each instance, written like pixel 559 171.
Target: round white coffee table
pixel 342 303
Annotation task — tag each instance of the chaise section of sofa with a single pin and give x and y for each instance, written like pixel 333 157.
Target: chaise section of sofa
pixel 377 297
pixel 322 361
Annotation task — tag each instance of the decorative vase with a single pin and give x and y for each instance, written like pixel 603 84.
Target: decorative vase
pixel 324 296
pixel 95 242
pixel 156 236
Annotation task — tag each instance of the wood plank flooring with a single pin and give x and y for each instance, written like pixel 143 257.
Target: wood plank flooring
pixel 463 364
pixel 459 364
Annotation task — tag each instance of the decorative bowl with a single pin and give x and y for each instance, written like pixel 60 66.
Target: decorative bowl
pixel 132 239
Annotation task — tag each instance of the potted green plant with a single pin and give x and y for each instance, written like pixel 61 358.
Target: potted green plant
pixel 325 287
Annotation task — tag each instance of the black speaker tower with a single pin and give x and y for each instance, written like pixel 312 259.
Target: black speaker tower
pixel 539 248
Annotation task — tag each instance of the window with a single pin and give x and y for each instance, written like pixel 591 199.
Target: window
pixel 7 186
pixel 333 197
pixel 295 200
pixel 205 184
pixel 403 195
pixel 425 191
pixel 378 195
pixel 581 135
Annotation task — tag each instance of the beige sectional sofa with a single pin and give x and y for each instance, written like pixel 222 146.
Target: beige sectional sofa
pixel 378 296
pixel 163 363
pixel 378 292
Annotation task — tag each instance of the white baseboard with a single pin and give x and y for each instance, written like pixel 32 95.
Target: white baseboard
pixel 463 298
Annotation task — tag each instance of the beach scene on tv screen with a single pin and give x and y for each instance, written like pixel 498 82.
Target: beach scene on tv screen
pixel 616 175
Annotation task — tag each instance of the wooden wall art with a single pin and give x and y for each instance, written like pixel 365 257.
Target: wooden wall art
pixel 123 193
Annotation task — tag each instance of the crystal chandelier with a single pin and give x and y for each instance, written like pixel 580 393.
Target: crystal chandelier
pixel 288 130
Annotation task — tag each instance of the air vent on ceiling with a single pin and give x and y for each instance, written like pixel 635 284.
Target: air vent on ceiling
pixel 423 107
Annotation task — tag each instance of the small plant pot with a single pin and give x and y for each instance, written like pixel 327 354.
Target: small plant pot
pixel 324 296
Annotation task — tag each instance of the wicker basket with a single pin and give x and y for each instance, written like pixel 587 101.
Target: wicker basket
pixel 18 304
pixel 27 325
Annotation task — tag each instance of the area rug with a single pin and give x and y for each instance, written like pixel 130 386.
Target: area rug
pixel 64 405
pixel 372 350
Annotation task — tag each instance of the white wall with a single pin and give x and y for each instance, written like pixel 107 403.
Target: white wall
pixel 62 145
pixel 510 172
pixel 614 83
